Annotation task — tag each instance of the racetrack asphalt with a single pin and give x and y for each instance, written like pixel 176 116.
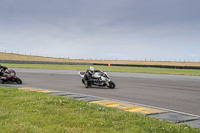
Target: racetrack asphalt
pixel 173 92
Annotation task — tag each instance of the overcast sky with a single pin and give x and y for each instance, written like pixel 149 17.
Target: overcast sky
pixel 102 29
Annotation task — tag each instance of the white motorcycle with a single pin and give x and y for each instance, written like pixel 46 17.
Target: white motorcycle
pixel 99 78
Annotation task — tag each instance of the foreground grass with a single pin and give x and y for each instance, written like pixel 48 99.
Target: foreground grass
pixel 109 68
pixel 23 111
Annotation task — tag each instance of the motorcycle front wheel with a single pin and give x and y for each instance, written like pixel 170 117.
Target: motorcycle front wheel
pixel 111 85
pixel 18 80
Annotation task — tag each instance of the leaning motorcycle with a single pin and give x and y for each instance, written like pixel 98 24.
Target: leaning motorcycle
pixel 99 78
pixel 10 76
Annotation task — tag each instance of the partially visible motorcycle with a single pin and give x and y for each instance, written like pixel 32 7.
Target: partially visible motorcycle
pixel 99 78
pixel 10 76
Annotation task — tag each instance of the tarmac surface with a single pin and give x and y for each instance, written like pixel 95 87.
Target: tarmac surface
pixel 179 95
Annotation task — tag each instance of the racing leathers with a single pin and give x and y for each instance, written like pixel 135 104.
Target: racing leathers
pixel 2 70
pixel 88 77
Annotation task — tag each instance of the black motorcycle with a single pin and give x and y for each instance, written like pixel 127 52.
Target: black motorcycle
pixel 10 76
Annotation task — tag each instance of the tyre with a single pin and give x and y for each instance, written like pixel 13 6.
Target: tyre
pixel 83 81
pixel 111 85
pixel 18 80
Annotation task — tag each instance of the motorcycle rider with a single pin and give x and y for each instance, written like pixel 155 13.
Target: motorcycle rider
pixel 2 69
pixel 88 76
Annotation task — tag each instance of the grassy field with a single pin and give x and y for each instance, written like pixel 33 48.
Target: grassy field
pixel 25 111
pixel 8 56
pixel 109 68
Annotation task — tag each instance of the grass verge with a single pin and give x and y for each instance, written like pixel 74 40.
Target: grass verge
pixel 25 111
pixel 109 68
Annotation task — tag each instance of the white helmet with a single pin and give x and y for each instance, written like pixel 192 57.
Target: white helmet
pixel 91 70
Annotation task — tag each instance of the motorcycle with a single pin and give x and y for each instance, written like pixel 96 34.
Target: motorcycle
pixel 99 78
pixel 10 76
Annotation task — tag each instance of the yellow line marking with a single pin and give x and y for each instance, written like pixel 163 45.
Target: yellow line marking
pixel 28 89
pixel 52 91
pixel 113 104
pixel 129 107
pixel 146 110
pixel 42 91
pixel 124 106
pixel 46 91
pixel 106 102
pixel 36 90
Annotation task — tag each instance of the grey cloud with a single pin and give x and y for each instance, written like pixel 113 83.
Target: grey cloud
pixel 128 28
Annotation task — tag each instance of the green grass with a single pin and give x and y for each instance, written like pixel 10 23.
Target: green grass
pixel 25 111
pixel 109 68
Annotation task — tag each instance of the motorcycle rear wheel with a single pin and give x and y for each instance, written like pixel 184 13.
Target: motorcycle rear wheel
pixel 1 81
pixel 83 81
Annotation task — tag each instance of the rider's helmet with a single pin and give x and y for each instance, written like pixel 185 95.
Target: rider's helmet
pixel 91 70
